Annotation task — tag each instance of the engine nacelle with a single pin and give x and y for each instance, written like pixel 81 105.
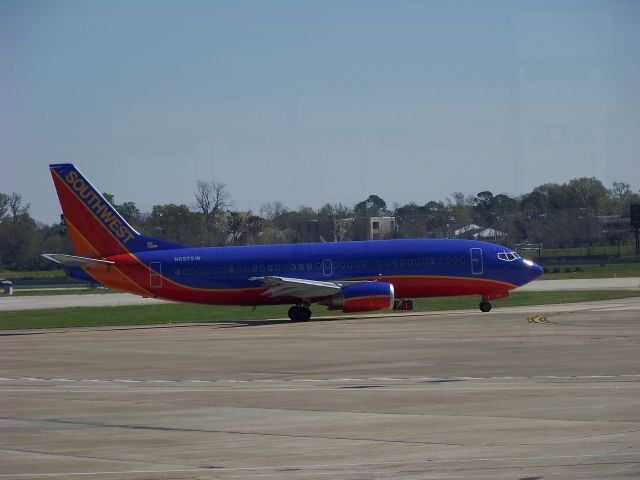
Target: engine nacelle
pixel 363 297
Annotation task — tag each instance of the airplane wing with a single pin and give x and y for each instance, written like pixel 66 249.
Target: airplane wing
pixel 301 288
pixel 73 261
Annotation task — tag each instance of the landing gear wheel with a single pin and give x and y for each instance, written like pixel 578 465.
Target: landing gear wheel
pixel 299 314
pixel 485 306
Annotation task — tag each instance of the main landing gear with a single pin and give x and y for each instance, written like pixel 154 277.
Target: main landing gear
pixel 485 306
pixel 300 313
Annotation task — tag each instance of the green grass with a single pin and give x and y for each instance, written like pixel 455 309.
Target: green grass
pixel 61 290
pixel 185 313
pixel 593 271
pixel 32 275
pixel 608 250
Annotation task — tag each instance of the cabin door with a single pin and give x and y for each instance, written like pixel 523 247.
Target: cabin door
pixel 476 261
pixel 327 267
pixel 155 274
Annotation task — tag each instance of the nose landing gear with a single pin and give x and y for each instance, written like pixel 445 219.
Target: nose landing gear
pixel 485 306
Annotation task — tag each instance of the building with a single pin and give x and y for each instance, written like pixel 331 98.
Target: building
pixel 374 228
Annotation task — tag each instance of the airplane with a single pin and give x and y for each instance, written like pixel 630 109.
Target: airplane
pixel 357 276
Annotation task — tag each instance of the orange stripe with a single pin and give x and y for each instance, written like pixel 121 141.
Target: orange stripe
pixel 105 277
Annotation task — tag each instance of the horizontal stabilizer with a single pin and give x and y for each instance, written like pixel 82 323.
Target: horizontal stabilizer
pixel 73 261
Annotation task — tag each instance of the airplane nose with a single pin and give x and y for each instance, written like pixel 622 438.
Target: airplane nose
pixel 535 270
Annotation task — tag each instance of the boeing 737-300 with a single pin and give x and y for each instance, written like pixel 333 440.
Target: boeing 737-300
pixel 358 276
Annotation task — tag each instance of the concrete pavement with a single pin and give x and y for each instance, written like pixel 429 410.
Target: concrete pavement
pixel 529 392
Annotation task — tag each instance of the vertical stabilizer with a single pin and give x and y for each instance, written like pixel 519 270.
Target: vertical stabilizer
pixel 95 227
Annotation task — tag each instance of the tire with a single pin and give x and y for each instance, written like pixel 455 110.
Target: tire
pixel 485 307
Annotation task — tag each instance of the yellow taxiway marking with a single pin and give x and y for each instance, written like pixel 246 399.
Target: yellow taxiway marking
pixel 540 319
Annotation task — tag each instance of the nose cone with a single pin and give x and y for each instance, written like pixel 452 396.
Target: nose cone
pixel 532 270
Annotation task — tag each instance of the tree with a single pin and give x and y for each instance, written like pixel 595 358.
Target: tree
pixel 212 198
pixel 621 196
pixel 373 206
pixel 438 219
pixel 412 221
pixel 484 209
pixel 176 223
pixel 460 206
pixel 272 210
pixel 335 221
pixel 17 235
pixel 588 193
pixel 4 204
pixel 15 206
pixel 128 210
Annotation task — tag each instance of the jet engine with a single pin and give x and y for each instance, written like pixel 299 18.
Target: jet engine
pixel 362 297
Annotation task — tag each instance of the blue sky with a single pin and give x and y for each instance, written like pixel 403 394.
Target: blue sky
pixel 315 102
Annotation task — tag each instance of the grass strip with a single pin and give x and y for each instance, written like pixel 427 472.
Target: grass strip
pixel 186 313
pixel 613 270
pixel 18 292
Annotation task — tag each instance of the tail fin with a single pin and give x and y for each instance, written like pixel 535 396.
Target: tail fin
pixel 95 227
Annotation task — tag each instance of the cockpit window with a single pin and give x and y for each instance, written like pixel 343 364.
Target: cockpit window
pixel 508 256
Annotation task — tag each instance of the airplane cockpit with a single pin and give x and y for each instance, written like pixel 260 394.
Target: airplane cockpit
pixel 508 256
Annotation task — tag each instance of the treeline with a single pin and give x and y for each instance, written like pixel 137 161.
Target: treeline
pixel 558 215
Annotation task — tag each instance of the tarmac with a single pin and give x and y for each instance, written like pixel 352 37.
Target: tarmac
pixel 518 393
